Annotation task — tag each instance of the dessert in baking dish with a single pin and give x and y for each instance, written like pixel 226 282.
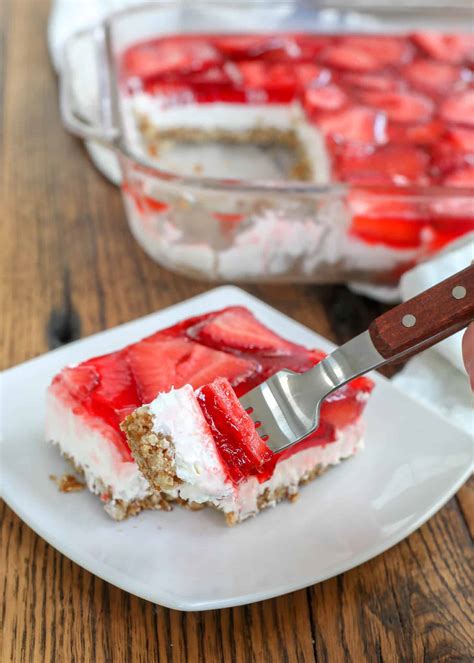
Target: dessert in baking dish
pixel 360 108
pixel 390 116
pixel 160 422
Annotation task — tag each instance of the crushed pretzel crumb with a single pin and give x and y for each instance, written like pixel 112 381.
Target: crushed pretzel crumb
pixel 67 483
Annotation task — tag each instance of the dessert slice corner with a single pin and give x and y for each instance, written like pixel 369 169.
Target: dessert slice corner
pixel 200 448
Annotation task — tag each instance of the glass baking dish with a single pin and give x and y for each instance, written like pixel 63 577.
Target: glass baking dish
pixel 252 227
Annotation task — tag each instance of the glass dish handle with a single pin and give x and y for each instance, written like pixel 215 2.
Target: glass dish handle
pixel 101 127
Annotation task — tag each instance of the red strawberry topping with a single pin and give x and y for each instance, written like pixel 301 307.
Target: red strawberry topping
pixel 328 97
pixel 154 58
pixel 380 82
pixel 432 76
pixel 459 108
pixel 225 353
pixel 356 124
pixel 426 133
pixel 104 388
pixel 241 448
pixel 454 150
pixel 463 177
pixel 352 58
pixel 387 221
pixel 452 48
pixel 238 47
pixel 79 381
pixel 385 50
pixel 343 408
pixel 162 363
pixel 397 164
pixel 237 328
pixel 400 106
pixel 308 74
pixel 462 140
pixel 273 77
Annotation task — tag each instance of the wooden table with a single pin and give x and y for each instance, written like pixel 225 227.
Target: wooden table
pixel 70 268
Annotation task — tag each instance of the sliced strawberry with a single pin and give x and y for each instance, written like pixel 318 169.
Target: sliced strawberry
pixel 241 448
pixel 311 45
pixel 236 328
pixel 116 385
pixel 459 108
pixel 426 133
pixel 244 47
pixel 389 230
pixel 283 47
pixel 308 74
pixel 380 82
pixel 327 97
pixel 239 47
pixel 432 76
pixel 350 58
pixel 210 93
pixel 397 164
pixel 217 75
pixel 323 435
pixel 342 408
pixel 160 363
pixel 170 93
pixel 455 150
pixel 463 177
pixel 205 365
pixel 462 139
pixel 317 356
pixel 106 390
pixel 269 76
pixel 385 50
pixel 386 219
pixel 356 124
pixel 154 58
pixel 453 214
pixel 80 381
pixel 400 106
pixel 452 48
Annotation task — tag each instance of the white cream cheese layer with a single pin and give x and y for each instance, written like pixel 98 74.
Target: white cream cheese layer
pixel 103 466
pixel 234 117
pixel 177 414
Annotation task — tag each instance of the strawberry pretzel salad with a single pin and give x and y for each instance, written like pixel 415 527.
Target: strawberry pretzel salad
pixel 159 422
pixel 389 116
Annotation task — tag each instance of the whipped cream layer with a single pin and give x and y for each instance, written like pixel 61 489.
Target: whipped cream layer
pixel 177 415
pixel 218 115
pixel 93 452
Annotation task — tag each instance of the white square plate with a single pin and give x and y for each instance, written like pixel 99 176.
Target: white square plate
pixel 413 463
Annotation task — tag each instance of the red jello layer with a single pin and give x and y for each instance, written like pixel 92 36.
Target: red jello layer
pixel 231 344
pixel 395 110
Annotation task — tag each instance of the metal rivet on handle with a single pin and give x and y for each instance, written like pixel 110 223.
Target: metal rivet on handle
pixel 408 320
pixel 459 292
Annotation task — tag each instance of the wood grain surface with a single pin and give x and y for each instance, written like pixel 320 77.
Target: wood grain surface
pixel 69 267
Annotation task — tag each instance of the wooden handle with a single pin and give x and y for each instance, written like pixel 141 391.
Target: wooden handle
pixel 426 319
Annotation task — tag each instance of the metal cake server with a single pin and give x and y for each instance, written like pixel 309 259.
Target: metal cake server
pixel 286 407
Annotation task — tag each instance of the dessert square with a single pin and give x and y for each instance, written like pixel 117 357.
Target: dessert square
pixel 159 421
